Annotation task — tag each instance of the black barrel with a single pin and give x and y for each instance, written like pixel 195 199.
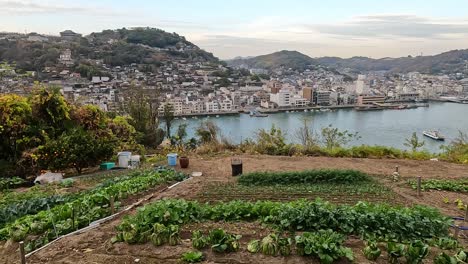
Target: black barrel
pixel 236 165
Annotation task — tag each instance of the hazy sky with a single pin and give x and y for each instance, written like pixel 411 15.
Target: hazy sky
pixel 229 28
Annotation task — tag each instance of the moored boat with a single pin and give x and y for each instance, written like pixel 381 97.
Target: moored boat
pixel 434 135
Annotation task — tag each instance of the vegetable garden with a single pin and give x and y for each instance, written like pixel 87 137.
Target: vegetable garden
pixel 271 217
pixel 40 220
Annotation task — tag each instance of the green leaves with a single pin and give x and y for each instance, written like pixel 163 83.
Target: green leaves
pixel 199 241
pixel 324 244
pixel 416 252
pixel 192 257
pixel 223 242
pixel 371 251
pixel 395 251
pixel 303 177
pixel 253 246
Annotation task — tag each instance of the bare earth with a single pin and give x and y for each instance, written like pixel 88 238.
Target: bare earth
pixel 94 246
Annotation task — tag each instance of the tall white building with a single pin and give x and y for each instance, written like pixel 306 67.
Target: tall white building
pixel 282 98
pixel 361 86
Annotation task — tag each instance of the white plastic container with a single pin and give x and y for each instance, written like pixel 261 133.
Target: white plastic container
pixel 135 161
pixel 124 159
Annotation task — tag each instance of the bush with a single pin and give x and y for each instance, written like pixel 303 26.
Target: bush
pixel 303 177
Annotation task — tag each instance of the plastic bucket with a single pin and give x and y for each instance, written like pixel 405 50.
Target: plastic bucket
pixel 172 159
pixel 124 158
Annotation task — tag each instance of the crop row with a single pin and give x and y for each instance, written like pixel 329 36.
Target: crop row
pixel 38 198
pixel 441 184
pixel 328 188
pixel 303 177
pixel 64 218
pixel 369 220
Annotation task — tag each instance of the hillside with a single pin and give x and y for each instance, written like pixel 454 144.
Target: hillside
pixel 114 47
pixel 447 62
pixel 285 58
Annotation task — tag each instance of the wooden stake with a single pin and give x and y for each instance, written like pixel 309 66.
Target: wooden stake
pixel 457 230
pixel 466 214
pixel 73 217
pixel 396 168
pixel 22 253
pixel 419 185
pixel 112 204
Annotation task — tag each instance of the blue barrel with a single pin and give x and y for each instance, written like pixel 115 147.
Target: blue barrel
pixel 172 159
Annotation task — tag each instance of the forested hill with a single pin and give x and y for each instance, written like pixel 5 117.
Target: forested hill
pixel 114 47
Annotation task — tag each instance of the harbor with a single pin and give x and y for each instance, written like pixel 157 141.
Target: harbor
pixel 388 128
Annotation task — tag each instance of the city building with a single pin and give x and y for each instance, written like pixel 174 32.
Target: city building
pixel 69 35
pixel 282 98
pixel 370 100
pixel 307 93
pixel 321 98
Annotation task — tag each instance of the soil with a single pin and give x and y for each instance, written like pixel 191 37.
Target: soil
pixel 94 246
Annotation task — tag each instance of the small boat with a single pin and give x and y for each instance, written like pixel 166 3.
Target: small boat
pixel 260 115
pixel 183 118
pixel 434 135
pixel 287 111
pixel 217 115
pixel 305 110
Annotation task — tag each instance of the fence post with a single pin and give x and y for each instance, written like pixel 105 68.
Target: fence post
pixel 457 230
pixel 396 169
pixel 22 253
pixel 419 185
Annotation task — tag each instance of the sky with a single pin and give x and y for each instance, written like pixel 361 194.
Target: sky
pixel 230 28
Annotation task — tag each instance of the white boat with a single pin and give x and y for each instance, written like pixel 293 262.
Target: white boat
pixel 217 115
pixel 434 135
pixel 305 110
pixel 183 118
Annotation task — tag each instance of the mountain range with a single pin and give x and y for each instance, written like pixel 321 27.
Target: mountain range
pixel 447 62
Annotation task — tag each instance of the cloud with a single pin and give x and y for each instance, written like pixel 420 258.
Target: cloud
pixel 388 26
pixel 29 7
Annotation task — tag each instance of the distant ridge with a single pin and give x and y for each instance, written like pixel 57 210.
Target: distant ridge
pixel 447 62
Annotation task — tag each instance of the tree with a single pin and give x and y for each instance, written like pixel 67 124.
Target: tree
pixel 144 117
pixel 50 110
pixel 77 149
pixel 332 137
pixel 305 135
pixel 414 143
pixel 168 117
pixel 15 114
pixel 208 132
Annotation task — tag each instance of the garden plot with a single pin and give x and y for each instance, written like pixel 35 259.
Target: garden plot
pixel 96 246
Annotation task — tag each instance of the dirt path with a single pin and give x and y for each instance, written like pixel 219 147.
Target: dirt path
pixel 94 246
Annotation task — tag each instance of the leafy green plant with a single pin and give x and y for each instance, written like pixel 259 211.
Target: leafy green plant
pixel 269 245
pixel 253 246
pixel 192 257
pixel 174 237
pixel 395 251
pixel 416 251
pixel 199 241
pixel 160 235
pixel 223 242
pixel 324 244
pixel 371 251
pixel 67 183
pixel 446 243
pixel 462 256
pixel 444 258
pixel 7 183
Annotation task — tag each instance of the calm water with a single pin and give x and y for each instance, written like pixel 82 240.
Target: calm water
pixel 388 127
